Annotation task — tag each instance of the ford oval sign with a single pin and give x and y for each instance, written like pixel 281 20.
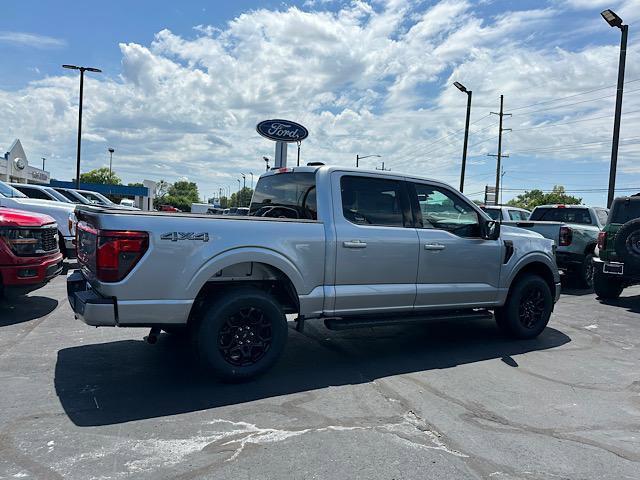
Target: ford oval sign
pixel 282 130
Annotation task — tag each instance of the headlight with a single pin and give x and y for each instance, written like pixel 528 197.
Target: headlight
pixel 22 242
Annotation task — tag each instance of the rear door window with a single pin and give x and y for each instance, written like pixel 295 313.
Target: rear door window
pixel 373 201
pixel 565 215
pixel 494 213
pixel 518 215
pixel 285 195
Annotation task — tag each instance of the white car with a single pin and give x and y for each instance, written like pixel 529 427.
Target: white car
pixel 42 192
pixel 506 213
pixel 61 212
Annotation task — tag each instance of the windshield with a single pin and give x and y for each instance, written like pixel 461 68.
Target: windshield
pixel 625 210
pixel 9 192
pixel 285 195
pixel 57 195
pixel 567 215
pixel 95 197
pixel 73 198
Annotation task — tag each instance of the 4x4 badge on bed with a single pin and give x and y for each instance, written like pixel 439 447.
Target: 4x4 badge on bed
pixel 175 236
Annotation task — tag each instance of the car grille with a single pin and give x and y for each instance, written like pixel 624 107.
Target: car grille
pixel 48 239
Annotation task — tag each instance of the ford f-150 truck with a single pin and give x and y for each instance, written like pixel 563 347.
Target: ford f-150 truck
pixel 574 229
pixel 352 247
pixel 62 213
pixel 29 253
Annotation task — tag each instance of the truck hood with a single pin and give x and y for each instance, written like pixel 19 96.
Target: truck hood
pixel 33 203
pixel 10 217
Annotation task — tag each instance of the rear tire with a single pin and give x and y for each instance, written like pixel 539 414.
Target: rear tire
pixel 606 286
pixel 587 271
pixel 526 312
pixel 241 335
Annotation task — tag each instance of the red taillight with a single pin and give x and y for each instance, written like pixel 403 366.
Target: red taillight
pixel 566 236
pixel 602 240
pixel 118 252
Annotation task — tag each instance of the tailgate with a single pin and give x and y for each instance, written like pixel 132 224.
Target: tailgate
pixel 550 230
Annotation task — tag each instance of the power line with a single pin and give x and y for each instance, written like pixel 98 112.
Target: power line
pixel 568 123
pixel 575 145
pixel 571 96
pixel 575 103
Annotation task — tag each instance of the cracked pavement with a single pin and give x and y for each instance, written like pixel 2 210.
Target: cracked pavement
pixel 445 400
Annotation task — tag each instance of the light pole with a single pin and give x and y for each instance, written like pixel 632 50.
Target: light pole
pixel 244 186
pixel 358 158
pixel 111 150
pixel 463 89
pixel 82 70
pixel 266 160
pixel 251 173
pixel 43 159
pixel 238 195
pixel 615 21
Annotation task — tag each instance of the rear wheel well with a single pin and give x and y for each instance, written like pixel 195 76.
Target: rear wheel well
pixel 539 269
pixel 262 276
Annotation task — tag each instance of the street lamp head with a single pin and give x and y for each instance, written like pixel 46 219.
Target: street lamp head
pixel 91 69
pixel 460 87
pixel 266 159
pixel 72 67
pixel 111 150
pixel 611 18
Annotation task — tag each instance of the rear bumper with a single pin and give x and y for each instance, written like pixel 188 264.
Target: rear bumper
pixel 87 305
pixel 29 276
pixel 100 311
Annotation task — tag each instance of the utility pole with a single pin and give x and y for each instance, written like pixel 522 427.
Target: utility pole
pixel 43 159
pixel 382 168
pixel 499 155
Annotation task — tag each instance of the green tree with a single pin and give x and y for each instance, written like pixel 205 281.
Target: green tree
pixel 100 175
pixel 180 195
pixel 533 198
pixel 135 184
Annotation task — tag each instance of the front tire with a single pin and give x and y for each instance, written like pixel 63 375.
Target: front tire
pixel 606 286
pixel 241 335
pixel 527 310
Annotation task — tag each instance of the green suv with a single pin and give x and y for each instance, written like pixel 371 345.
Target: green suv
pixel 618 263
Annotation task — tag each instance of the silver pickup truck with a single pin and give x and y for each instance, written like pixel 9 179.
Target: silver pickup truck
pixel 352 247
pixel 574 229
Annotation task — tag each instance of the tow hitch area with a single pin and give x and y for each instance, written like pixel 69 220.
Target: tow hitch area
pixel 152 338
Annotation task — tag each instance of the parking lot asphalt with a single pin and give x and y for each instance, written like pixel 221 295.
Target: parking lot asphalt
pixel 446 400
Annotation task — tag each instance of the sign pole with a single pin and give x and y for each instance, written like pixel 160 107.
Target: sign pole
pixel 281 155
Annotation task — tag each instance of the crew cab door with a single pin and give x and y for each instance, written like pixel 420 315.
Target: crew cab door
pixel 376 244
pixel 457 267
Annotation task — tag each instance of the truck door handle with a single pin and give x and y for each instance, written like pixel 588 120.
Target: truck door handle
pixel 434 246
pixel 354 244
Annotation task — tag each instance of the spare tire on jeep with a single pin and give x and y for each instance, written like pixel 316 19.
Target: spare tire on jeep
pixel 627 243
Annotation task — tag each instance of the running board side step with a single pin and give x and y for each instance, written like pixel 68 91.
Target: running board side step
pixel 378 321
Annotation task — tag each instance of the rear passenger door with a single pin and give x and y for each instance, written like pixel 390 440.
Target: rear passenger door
pixel 457 267
pixel 377 246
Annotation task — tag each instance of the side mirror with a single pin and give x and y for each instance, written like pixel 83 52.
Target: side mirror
pixel 491 230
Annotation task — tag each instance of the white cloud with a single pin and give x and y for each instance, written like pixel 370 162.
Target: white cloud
pixel 367 78
pixel 31 40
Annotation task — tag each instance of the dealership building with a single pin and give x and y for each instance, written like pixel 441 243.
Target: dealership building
pixel 15 168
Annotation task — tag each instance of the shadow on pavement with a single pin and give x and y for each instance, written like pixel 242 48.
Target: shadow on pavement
pixel 632 304
pixel 122 381
pixel 573 286
pixel 25 308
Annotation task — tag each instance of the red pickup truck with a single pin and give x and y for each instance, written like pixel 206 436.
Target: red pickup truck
pixel 29 251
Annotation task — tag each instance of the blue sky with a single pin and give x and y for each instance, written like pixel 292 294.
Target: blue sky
pixel 185 82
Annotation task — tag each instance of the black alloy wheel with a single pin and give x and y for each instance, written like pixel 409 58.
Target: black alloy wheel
pixel 532 307
pixel 245 337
